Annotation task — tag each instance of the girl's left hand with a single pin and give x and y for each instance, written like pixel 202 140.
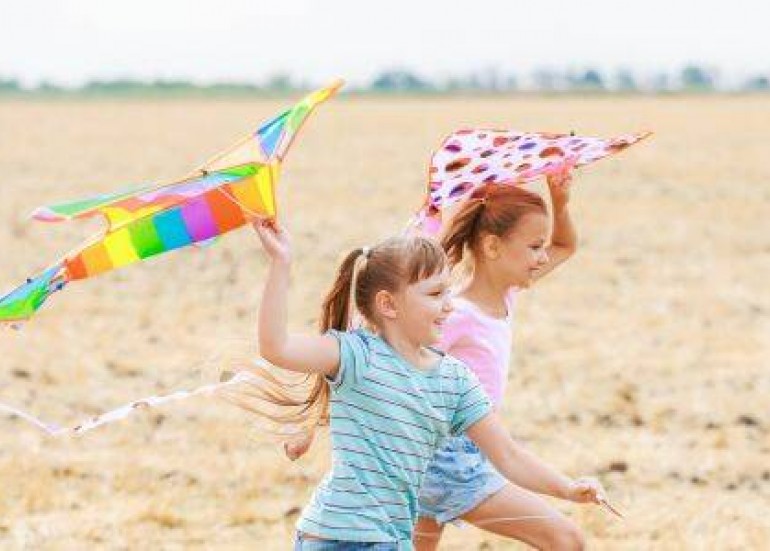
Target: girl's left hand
pixel 586 490
pixel 296 448
pixel 274 239
pixel 559 185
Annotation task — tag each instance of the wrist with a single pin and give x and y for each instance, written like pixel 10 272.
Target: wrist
pixel 280 262
pixel 564 490
pixel 560 209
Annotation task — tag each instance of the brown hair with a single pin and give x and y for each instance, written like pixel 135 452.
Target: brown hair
pixel 494 208
pixel 390 265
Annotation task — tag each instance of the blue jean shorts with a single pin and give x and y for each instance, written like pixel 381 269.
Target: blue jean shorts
pixel 301 543
pixel 458 479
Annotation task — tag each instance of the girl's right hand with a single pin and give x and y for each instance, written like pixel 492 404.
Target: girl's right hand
pixel 296 448
pixel 274 239
pixel 586 490
pixel 559 185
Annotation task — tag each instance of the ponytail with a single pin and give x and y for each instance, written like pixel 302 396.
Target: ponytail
pixel 494 208
pixel 298 408
pixel 463 230
pixel 336 310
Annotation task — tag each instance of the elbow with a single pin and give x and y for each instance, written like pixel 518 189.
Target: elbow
pixel 271 352
pixel 508 455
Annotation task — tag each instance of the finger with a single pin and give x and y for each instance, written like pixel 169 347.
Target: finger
pixel 590 491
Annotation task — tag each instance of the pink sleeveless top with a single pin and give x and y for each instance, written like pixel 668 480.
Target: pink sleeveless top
pixel 482 342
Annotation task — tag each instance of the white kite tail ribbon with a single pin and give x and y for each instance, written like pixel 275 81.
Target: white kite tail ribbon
pixel 126 410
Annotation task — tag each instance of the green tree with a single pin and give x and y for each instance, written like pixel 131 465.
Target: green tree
pixel 757 84
pixel 589 79
pixel 695 78
pixel 399 80
pixel 625 81
pixel 9 85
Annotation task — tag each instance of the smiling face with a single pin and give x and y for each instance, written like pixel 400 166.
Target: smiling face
pixel 515 258
pixel 419 310
pixel 428 303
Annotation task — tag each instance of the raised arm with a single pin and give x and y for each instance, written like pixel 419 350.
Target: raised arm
pixel 563 237
pixel 524 469
pixel 295 352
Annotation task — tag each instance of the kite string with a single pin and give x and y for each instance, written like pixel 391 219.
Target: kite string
pixel 126 410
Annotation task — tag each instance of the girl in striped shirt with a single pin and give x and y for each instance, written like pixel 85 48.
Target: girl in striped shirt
pixel 389 397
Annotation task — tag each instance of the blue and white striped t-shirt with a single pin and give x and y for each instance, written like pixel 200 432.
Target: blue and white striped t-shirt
pixel 387 418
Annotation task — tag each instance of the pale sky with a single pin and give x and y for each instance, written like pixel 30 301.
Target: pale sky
pixel 71 41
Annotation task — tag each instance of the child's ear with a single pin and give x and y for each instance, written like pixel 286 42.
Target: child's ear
pixel 490 246
pixel 385 304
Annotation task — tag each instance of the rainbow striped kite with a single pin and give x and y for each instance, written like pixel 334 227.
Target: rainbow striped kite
pixel 222 195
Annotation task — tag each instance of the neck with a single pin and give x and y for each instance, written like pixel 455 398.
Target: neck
pixel 486 291
pixel 413 352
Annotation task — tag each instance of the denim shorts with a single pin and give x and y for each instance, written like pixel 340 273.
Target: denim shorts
pixel 301 543
pixel 458 479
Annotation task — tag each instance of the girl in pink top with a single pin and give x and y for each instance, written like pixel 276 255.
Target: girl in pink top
pixel 502 232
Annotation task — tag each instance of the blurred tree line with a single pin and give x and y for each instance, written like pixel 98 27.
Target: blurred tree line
pixel 690 79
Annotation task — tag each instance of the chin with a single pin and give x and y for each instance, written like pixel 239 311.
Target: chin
pixel 434 337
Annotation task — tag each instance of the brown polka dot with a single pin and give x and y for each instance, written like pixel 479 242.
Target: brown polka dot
pixel 457 164
pixel 617 146
pixel 551 152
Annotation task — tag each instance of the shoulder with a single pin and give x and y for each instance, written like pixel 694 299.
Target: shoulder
pixel 455 369
pixel 354 343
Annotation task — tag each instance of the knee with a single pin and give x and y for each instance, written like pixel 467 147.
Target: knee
pixel 568 537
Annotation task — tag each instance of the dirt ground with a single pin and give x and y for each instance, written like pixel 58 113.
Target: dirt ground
pixel 643 360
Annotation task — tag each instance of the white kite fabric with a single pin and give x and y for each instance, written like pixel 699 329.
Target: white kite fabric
pixel 122 412
pixel 469 158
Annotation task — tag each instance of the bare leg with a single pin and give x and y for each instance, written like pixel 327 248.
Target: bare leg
pixel 427 533
pixel 517 513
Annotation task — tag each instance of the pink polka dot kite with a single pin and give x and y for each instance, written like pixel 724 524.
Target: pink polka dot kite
pixel 470 158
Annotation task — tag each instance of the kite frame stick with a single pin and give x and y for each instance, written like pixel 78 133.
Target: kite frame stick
pixel 608 507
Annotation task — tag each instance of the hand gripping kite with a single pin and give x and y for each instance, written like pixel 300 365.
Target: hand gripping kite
pixel 468 159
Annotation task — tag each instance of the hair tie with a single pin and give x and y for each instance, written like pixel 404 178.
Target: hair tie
pixel 354 316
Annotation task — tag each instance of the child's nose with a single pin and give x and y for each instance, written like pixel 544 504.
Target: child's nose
pixel 544 257
pixel 449 305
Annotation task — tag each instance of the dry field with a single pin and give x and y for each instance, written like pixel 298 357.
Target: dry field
pixel 643 360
